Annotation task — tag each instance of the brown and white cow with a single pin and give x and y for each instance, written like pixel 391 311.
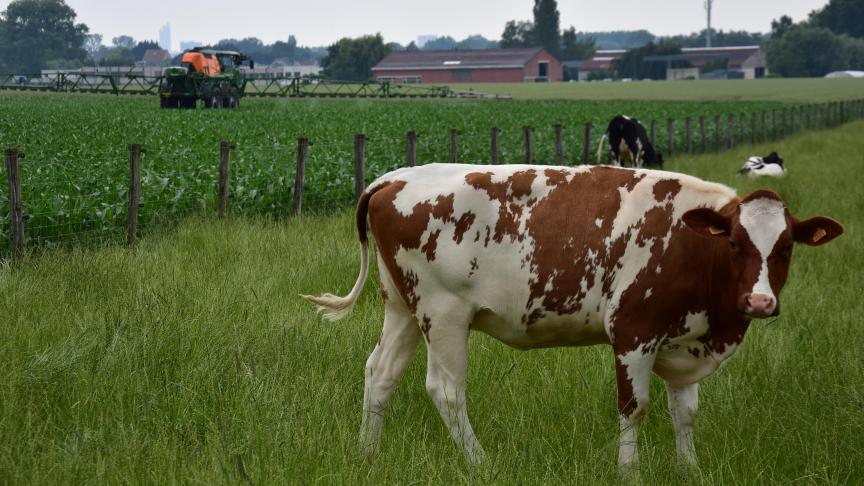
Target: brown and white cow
pixel 666 268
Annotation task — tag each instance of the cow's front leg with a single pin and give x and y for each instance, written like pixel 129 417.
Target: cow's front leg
pixel 633 374
pixel 683 403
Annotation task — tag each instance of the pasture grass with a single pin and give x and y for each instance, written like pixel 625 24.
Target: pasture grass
pixel 772 89
pixel 190 359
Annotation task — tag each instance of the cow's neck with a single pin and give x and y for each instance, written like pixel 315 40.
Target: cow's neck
pixel 727 324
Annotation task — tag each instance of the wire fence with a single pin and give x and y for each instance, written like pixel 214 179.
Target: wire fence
pixel 79 197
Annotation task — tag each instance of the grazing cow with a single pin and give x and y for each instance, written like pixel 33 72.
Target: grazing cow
pixel 629 141
pixel 667 269
pixel 770 165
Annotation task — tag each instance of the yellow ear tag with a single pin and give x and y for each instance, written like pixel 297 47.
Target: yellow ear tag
pixel 820 233
pixel 715 230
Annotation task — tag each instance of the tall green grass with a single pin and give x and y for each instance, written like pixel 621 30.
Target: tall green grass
pixel 190 359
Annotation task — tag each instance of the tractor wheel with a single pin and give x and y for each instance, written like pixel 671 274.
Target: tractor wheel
pixel 231 102
pixel 213 102
pixel 169 102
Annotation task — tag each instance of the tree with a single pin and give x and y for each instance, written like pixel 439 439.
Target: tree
pixel 476 42
pixel 353 59
pixel 93 44
pixel 518 34
pixel 412 47
pixel 547 25
pixel 34 32
pixel 123 41
pixel 808 51
pixel 781 26
pixel 573 48
pixel 841 17
pixel 142 47
pixel 118 56
pixel 632 64
pixel 445 43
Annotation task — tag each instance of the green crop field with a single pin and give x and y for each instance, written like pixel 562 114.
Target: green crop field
pixel 787 90
pixel 75 170
pixel 190 359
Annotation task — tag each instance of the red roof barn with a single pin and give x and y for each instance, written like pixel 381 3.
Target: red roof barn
pixel 474 66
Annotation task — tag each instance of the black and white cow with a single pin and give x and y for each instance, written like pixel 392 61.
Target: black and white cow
pixel 770 165
pixel 629 141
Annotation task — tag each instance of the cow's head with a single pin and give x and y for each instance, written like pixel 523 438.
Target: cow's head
pixel 760 232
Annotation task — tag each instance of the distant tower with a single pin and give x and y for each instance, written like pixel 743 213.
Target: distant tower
pixel 165 37
pixel 708 4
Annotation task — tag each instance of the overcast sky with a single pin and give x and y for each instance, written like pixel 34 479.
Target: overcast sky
pixel 321 22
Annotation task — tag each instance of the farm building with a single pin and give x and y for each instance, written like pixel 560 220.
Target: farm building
pixel 471 66
pixel 744 62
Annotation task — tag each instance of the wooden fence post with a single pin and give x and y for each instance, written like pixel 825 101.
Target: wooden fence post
pixel 717 146
pixel 494 145
pixel 688 140
pixel 527 133
pixel 792 120
pixel 134 193
pixel 300 175
pixel 16 209
pixel 224 174
pixel 742 120
pixel 359 165
pixel 702 136
pixel 559 143
pixel 411 148
pixel 454 146
pixel 773 124
pixel 784 124
pixel 670 137
pixel 586 144
pixel 730 132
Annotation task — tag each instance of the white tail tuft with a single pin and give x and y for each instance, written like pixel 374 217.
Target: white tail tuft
pixel 335 307
pixel 600 149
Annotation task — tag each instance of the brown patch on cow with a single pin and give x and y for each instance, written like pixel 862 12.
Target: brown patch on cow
pixel 666 188
pixel 394 231
pixel 564 231
pixel 626 401
pixel 555 177
pixel 474 266
pixel 426 326
pixel 431 244
pixel 384 295
pixel 462 225
pixel 515 187
pixel 693 351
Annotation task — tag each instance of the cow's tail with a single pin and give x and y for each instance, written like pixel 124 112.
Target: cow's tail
pixel 603 140
pixel 333 306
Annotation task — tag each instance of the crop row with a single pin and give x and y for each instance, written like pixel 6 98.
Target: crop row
pixel 75 170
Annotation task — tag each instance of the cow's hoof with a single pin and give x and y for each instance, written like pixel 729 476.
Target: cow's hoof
pixel 629 474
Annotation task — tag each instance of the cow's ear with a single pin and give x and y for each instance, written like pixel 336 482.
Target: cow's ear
pixel 707 222
pixel 816 231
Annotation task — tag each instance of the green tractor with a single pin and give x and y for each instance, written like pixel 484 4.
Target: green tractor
pixel 204 74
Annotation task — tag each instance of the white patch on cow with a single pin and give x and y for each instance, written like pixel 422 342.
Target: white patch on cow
pixel 599 222
pixel 764 219
pixel 648 293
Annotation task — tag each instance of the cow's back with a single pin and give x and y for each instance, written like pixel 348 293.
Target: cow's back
pixel 542 254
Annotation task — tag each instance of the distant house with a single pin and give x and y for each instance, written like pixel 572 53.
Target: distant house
pixel 747 62
pixel 470 66
pixel 156 57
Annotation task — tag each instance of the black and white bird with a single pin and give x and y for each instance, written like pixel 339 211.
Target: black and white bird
pixel 770 165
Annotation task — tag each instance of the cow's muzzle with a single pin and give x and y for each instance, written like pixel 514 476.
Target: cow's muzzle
pixel 758 306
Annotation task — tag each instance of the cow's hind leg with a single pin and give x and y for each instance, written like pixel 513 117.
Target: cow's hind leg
pixel 447 340
pixel 384 368
pixel 633 375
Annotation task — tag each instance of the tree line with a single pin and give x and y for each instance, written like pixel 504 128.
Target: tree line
pixel 44 34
